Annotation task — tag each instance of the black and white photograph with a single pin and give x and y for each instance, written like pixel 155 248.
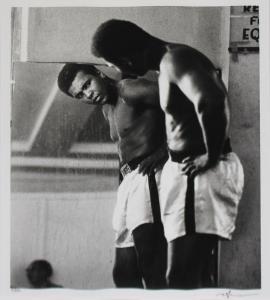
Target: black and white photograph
pixel 135 157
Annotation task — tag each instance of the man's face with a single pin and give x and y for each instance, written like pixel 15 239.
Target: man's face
pixel 89 89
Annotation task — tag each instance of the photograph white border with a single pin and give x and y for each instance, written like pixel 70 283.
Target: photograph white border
pixel 5 292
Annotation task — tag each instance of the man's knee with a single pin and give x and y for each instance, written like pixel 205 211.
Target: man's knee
pixel 125 271
pixel 118 275
pixel 124 278
pixel 151 249
pixel 188 257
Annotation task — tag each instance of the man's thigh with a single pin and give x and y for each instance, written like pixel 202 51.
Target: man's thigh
pixel 126 272
pixel 188 259
pixel 151 250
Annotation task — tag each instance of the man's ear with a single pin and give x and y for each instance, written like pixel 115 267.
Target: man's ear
pixel 126 61
pixel 100 74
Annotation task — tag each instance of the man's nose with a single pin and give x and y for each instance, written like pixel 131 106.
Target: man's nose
pixel 88 93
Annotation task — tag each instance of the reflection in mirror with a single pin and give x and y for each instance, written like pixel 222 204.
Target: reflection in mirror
pixel 63 182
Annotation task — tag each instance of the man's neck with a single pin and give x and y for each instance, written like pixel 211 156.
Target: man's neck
pixel 112 91
pixel 155 53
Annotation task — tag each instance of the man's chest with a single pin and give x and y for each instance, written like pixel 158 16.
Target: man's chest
pixel 121 118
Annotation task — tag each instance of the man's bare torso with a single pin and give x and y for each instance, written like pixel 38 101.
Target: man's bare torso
pixel 184 133
pixel 137 129
pixel 182 126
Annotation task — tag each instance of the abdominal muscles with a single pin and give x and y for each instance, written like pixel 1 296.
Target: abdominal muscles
pixel 144 135
pixel 184 135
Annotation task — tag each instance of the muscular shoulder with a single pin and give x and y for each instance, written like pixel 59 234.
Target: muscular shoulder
pixel 180 60
pixel 126 84
pixel 140 90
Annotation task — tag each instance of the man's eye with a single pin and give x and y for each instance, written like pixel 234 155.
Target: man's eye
pixel 79 96
pixel 87 84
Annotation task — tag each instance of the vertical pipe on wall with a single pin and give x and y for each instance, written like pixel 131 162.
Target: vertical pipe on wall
pixel 24 33
pixel 225 62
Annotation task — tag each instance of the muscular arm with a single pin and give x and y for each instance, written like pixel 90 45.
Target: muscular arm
pixel 108 113
pixel 207 94
pixel 139 91
pixel 155 160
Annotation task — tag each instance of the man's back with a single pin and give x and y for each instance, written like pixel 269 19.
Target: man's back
pixel 194 100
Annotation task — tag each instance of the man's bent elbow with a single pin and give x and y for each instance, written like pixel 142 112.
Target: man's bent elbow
pixel 216 102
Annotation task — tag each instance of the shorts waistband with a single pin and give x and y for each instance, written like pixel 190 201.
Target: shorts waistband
pixel 179 156
pixel 128 167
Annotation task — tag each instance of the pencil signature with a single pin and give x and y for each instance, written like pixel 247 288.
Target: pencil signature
pixel 229 294
pixel 226 294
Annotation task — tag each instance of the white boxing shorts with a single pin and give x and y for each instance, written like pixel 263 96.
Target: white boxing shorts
pixel 217 193
pixel 133 206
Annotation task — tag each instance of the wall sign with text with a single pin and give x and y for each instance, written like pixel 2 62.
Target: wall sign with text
pixel 245 32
